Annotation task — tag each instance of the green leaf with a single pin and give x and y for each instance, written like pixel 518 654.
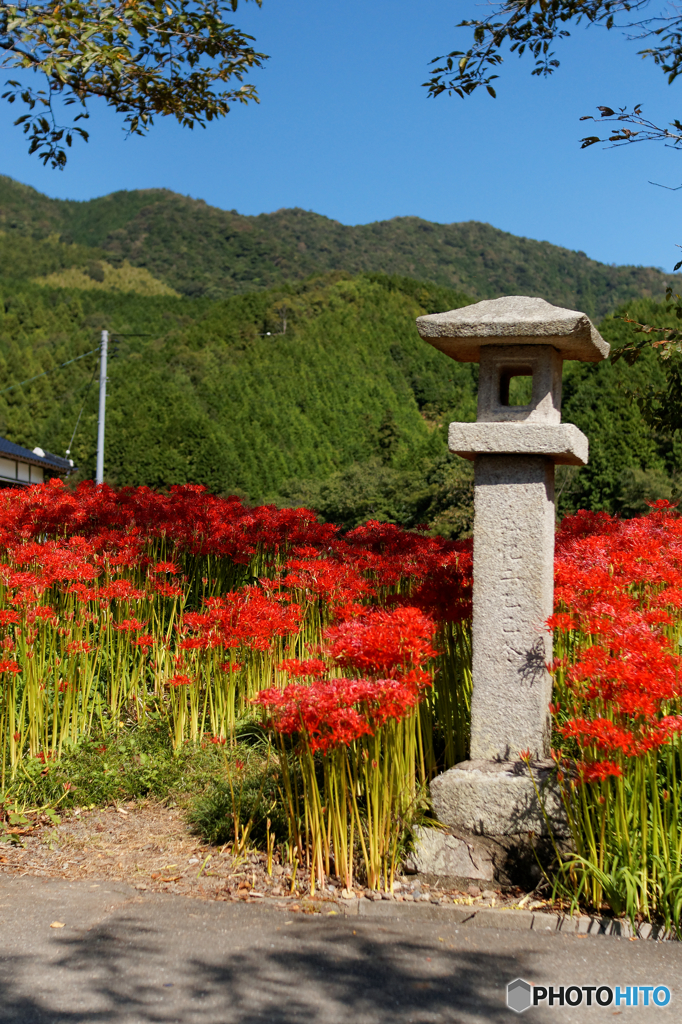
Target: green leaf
pixel 12 838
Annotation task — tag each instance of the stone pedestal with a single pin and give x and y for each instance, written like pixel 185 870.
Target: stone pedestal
pixel 515 449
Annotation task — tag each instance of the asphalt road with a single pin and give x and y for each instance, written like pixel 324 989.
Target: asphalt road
pixel 129 958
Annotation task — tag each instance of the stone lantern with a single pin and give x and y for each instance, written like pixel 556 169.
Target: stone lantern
pixel 514 449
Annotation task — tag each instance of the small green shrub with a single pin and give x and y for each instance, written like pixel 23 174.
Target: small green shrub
pixel 247 795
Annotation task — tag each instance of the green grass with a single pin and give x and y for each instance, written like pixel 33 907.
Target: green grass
pixel 246 796
pixel 135 764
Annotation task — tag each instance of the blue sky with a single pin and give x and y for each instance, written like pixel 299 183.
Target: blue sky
pixel 345 129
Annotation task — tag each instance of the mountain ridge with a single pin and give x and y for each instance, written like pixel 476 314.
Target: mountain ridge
pixel 202 251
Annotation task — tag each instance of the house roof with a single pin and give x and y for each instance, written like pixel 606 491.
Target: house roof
pixel 47 460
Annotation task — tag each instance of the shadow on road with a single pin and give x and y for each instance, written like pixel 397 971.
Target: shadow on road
pixel 246 970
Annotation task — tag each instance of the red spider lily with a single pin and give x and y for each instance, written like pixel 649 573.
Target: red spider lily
pixel 596 771
pixel 196 643
pixel 78 647
pixel 179 680
pixel 562 620
pixel 44 612
pixel 83 592
pixel 339 711
pixel 19 580
pixel 383 642
pixel 247 617
pixel 324 713
pixel 145 641
pixel 300 669
pixel 94 553
pixel 326 578
pixel 621 583
pixel 121 590
pixel 195 620
pixel 168 589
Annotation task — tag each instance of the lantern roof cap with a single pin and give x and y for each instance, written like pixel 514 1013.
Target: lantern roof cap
pixel 513 320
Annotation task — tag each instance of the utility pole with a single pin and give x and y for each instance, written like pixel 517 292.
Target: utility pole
pixel 99 477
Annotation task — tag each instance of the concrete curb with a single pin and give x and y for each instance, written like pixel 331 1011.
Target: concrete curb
pixel 504 920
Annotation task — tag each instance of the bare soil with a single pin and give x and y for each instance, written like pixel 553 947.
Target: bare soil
pixel 149 846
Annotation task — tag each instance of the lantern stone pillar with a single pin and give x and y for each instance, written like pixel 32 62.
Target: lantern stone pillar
pixel 514 449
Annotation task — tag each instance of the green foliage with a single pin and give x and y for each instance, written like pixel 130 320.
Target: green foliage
pixel 632 459
pixel 23 257
pixel 660 339
pixel 532 26
pixel 99 275
pixel 143 59
pixel 247 796
pixel 207 397
pixel 201 251
pixel 641 486
pixel 436 490
pixel 137 763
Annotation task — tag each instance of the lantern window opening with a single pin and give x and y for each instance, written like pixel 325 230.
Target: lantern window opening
pixel 516 387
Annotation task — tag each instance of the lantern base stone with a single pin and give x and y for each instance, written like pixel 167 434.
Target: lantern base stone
pixel 491 798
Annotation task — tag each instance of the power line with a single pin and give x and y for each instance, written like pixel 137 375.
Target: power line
pixel 69 361
pixel 87 392
pixel 47 372
pixel 102 392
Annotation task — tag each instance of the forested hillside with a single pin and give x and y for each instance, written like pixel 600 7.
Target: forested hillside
pixel 199 392
pixel 347 410
pixel 199 250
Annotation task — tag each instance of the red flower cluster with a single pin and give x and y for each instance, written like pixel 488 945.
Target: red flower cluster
pixel 618 589
pixel 98 531
pixel 367 605
pixel 390 649
pixel 390 643
pixel 339 711
pixel 248 618
pixel 155 583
